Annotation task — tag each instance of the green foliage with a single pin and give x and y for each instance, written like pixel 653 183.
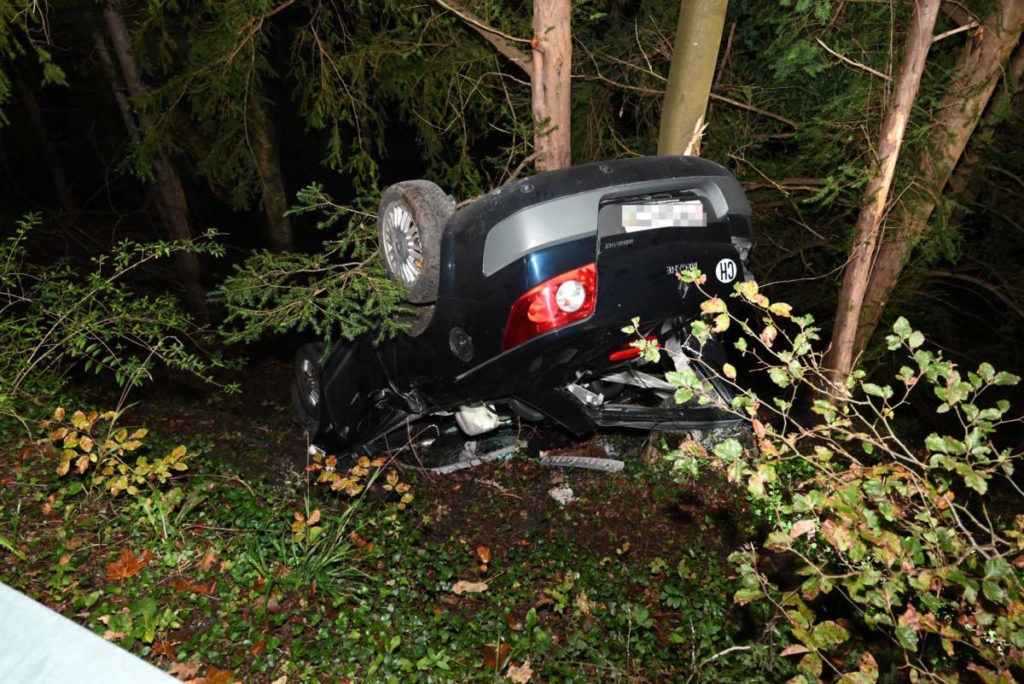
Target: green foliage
pixel 59 317
pixel 23 27
pixel 207 88
pixel 341 290
pixel 913 534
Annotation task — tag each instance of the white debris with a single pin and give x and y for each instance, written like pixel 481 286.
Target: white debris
pixel 562 495
pixel 608 465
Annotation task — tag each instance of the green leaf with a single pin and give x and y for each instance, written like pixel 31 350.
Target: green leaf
pixel 916 339
pixel 994 592
pixel 779 376
pixel 976 482
pixel 729 450
pixel 877 390
pixel 1004 378
pixel 729 371
pixel 907 637
pixel 829 633
pixel 745 596
pixel 902 327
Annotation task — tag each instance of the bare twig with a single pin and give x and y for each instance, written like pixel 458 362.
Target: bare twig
pixel 953 32
pixel 854 63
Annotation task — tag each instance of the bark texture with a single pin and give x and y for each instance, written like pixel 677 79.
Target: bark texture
pixel 262 138
pixel 978 71
pixel 698 37
pixel 551 75
pixel 168 193
pixel 842 352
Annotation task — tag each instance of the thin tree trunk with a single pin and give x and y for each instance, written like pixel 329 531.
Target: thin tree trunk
pixel 170 197
pixel 549 69
pixel 960 185
pixel 123 106
pixel 842 352
pixel 698 37
pixel 552 73
pixel 262 139
pixel 978 71
pixel 65 197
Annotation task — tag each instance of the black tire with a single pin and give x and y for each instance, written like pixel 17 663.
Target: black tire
pixel 429 208
pixel 419 319
pixel 306 390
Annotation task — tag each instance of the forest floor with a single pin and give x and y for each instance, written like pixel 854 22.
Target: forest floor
pixel 255 573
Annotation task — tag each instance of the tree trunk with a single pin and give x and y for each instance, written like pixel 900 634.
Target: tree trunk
pixel 842 351
pixel 978 71
pixel 168 192
pixel 694 55
pixel 552 73
pixel 53 162
pixel 262 139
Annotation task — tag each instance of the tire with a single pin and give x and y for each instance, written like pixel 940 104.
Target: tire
pixel 419 319
pixel 410 223
pixel 306 390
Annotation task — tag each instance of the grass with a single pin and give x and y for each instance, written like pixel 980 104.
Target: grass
pixel 628 583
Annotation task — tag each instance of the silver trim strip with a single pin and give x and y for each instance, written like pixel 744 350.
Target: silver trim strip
pixel 575 216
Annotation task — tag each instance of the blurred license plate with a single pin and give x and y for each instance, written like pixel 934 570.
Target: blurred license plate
pixel 689 214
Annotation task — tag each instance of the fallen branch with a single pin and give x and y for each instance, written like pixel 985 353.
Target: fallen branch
pixel 502 42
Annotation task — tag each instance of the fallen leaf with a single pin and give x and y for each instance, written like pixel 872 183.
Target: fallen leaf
pixel 520 673
pixel 111 635
pixel 793 649
pixel 283 679
pixel 494 657
pixel 201 588
pixel 484 553
pixel 127 565
pixel 208 560
pixel 314 517
pixel 513 623
pixel 258 646
pixel 214 676
pixel 464 587
pixel 583 603
pixel 162 648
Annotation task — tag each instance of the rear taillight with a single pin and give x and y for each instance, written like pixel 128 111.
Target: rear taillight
pixel 553 304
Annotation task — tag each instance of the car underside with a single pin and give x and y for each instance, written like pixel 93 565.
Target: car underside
pixel 520 298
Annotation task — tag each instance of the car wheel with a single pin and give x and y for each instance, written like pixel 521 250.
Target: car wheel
pixel 410 222
pixel 306 390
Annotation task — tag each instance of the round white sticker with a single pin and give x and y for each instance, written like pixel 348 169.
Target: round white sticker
pixel 726 271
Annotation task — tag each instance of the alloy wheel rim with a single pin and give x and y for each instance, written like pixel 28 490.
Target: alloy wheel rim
pixel 402 247
pixel 312 384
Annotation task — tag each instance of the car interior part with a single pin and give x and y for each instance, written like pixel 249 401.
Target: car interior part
pixel 476 420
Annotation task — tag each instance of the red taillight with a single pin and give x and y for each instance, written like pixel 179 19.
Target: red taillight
pixel 630 352
pixel 544 308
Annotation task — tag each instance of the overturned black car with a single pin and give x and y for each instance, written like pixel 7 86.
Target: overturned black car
pixel 521 297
